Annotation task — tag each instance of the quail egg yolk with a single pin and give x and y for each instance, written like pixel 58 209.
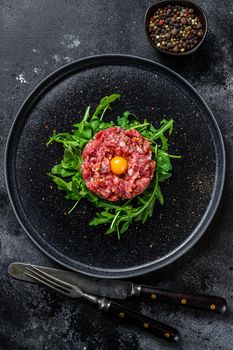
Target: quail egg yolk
pixel 118 165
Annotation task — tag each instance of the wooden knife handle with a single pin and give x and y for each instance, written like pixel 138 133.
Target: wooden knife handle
pixel 147 323
pixel 210 303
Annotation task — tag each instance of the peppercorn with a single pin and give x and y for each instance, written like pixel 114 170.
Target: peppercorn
pixel 167 36
pixel 174 31
pixel 183 20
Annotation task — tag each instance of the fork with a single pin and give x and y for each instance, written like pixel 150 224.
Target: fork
pixel 124 313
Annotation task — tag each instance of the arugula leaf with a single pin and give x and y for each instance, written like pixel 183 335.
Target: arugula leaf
pixel 61 184
pixel 56 169
pixel 104 105
pixel 127 120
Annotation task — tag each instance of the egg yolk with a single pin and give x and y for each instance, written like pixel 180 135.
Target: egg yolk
pixel 118 165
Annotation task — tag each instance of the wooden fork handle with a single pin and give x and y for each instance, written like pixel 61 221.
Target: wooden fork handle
pixel 147 323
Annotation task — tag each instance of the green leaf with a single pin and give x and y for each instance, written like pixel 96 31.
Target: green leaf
pixel 164 177
pixel 160 196
pixel 98 221
pixel 66 173
pixel 105 104
pixel 69 164
pixel 87 133
pixel 95 125
pixel 73 196
pixel 123 121
pixel 56 169
pixel 151 207
pixel 105 125
pixel 165 125
pixel 110 231
pixel 68 155
pixel 124 227
pixel 83 123
pixel 61 184
pixel 128 120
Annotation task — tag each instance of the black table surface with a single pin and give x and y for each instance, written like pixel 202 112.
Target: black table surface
pixel 37 37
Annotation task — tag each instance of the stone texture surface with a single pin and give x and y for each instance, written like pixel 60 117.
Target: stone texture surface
pixel 36 38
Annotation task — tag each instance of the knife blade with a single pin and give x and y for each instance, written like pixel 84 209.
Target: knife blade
pixel 97 286
pixel 116 289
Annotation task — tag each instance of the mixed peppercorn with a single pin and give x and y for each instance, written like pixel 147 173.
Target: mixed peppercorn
pixel 175 28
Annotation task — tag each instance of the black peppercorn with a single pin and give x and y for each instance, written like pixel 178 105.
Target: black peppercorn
pixel 167 36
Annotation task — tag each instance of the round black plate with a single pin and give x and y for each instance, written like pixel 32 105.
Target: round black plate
pixel 191 197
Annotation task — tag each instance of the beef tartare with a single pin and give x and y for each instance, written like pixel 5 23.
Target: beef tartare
pixel 117 164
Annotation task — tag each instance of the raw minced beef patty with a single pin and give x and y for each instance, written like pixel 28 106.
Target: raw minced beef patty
pixel 96 170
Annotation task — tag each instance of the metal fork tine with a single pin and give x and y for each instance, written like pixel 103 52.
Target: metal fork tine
pixel 37 275
pixel 47 276
pixel 50 284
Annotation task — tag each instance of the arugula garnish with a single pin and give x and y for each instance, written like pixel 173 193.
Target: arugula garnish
pixel 68 177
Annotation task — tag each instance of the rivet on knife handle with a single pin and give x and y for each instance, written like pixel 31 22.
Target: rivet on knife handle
pixel 210 303
pixel 144 322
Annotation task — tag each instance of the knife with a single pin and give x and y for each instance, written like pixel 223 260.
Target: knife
pixel 122 289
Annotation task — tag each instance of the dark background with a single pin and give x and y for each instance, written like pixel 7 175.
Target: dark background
pixel 36 38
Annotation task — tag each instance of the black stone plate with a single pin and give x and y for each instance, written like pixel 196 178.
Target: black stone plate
pixel 191 196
